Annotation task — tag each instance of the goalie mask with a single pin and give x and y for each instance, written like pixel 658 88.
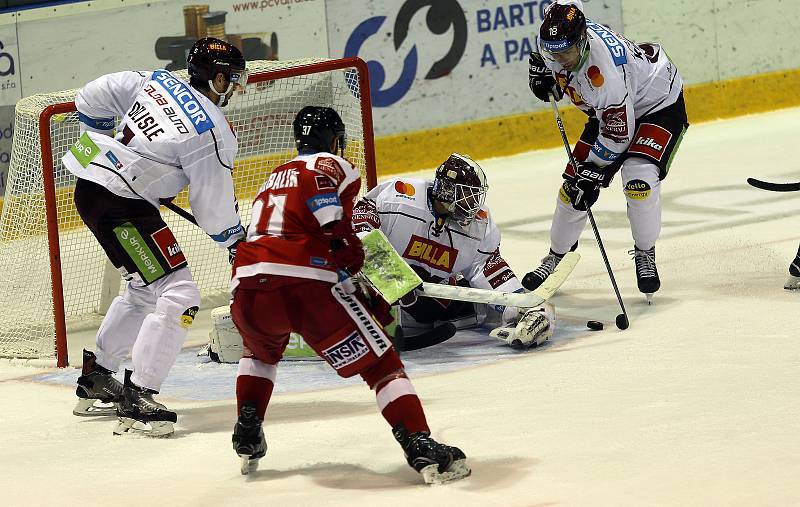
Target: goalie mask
pixel 209 57
pixel 316 127
pixel 460 187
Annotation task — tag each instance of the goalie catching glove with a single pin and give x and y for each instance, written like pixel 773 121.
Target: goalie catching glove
pixel 533 329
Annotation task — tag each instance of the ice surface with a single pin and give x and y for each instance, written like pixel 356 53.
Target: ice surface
pixel 695 404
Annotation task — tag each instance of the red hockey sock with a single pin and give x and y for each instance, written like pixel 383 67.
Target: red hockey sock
pixel 399 404
pixel 256 389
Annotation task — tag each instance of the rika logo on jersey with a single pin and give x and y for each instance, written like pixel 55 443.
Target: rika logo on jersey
pixel 186 100
pixel 169 247
pixel 650 140
pixel 431 253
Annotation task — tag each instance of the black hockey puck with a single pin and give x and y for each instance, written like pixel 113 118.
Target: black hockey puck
pixel 594 325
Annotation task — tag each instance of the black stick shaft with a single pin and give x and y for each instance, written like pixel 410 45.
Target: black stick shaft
pixel 588 209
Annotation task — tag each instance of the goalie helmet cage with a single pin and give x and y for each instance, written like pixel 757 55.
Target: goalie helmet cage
pixel 54 276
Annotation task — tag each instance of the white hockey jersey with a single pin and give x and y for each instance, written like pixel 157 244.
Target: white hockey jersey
pixel 169 136
pixel 619 82
pixel 400 208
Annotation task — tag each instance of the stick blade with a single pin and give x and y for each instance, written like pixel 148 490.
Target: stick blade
pixel 774 187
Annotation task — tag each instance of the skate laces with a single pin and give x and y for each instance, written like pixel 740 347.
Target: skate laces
pixel 549 264
pixel 645 261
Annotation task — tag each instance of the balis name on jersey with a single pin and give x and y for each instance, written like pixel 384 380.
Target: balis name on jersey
pixel 186 100
pixel 281 179
pixel 431 253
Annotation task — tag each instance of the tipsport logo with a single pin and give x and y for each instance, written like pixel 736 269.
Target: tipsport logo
pixel 442 16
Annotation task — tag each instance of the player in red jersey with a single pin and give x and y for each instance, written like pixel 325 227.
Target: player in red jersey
pixel 292 274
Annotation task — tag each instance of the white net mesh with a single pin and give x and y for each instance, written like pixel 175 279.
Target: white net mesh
pixel 261 118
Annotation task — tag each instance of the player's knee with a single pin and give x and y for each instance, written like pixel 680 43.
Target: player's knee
pixel 387 368
pixel 179 303
pixel 641 184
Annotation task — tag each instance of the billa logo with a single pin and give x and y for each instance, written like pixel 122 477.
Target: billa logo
pixel 431 253
pixel 405 188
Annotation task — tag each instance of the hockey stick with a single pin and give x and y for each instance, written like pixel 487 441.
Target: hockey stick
pixel 493 297
pixel 394 278
pixel 622 319
pixel 180 211
pixel 774 187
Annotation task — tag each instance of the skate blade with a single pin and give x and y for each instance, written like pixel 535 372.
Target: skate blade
pixel 247 465
pixel 88 407
pixel 153 429
pixel 649 296
pixel 457 470
pixel 792 283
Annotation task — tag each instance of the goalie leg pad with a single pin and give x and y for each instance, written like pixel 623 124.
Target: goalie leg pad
pixel 225 342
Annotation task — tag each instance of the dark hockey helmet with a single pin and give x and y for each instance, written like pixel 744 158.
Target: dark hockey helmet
pixel 460 186
pixel 562 35
pixel 315 128
pixel 210 56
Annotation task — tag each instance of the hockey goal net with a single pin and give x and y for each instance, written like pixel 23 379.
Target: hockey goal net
pixel 55 278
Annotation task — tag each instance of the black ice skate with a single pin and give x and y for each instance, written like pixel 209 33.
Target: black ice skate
pixel 98 391
pixel 248 438
pixel 793 282
pixel 646 272
pixel 139 414
pixel 535 278
pixel 437 463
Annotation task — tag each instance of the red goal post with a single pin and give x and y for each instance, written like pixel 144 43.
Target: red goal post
pixel 54 277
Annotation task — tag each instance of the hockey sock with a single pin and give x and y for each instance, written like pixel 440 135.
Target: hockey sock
pixel 255 389
pixel 254 382
pixel 399 404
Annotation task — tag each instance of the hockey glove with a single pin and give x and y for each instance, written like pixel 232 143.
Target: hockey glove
pixel 541 80
pixel 346 248
pixel 232 251
pixel 585 187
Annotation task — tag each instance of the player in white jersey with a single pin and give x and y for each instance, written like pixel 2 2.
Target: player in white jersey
pixel 171 134
pixel 633 95
pixel 444 231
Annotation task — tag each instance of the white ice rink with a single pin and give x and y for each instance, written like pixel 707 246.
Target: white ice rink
pixel 695 404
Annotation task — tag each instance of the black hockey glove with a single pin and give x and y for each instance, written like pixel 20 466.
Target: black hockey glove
pixel 585 187
pixel 541 80
pixel 232 251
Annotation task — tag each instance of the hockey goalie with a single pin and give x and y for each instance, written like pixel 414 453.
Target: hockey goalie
pixel 443 229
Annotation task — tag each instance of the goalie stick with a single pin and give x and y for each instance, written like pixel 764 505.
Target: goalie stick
pixel 394 278
pixel 774 187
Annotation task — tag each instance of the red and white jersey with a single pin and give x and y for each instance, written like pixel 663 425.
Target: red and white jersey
pixel 619 82
pixel 170 136
pixel 401 209
pixel 285 235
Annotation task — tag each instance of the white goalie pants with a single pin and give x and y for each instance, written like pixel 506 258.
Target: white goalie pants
pixel 642 190
pixel 149 322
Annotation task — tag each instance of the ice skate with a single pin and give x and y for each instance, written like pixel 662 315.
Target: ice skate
pixel 793 282
pixel 646 272
pixel 139 414
pixel 437 463
pixel 248 438
pixel 98 391
pixel 535 278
